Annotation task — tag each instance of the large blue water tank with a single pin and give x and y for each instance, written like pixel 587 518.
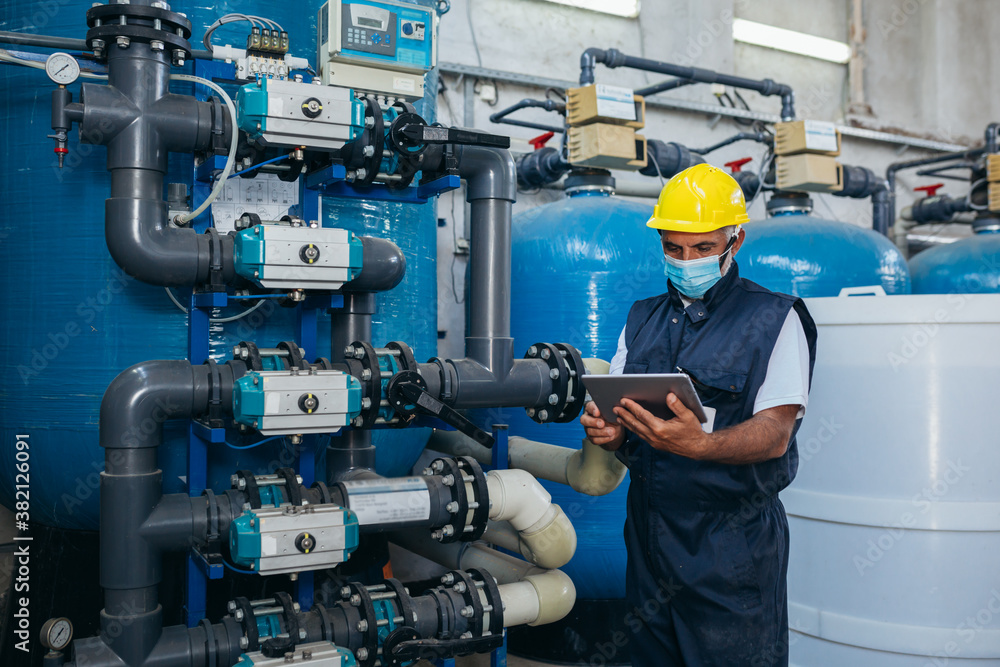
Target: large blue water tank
pixel 969 266
pixel 796 253
pixel 73 321
pixel 578 264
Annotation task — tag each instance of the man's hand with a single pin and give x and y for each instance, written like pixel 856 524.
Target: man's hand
pixel 601 433
pixel 681 435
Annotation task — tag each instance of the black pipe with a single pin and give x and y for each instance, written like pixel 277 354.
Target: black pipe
pixel 667 159
pixel 669 84
pixel 44 41
pixel 500 117
pixel 939 208
pixel 133 411
pixel 614 58
pixel 759 137
pixel 990 144
pixel 969 155
pixel 439 613
pixel 541 167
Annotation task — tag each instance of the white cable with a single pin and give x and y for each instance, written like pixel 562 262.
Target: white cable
pixel 216 320
pixel 232 144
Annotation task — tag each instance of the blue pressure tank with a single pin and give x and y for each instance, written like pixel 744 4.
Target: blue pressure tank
pixel 578 264
pixel 795 253
pixel 74 320
pixel 968 266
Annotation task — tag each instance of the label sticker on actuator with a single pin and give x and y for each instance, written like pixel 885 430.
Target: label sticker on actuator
pixel 379 501
pixel 615 102
pixel 820 136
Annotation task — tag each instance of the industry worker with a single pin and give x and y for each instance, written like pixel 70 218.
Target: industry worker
pixel 705 530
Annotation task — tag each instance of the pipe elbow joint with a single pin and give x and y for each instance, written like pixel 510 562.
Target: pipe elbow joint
pixel 143 397
pixel 553 544
pixel 556 596
pixel 489 172
pixel 383 268
pixel 594 471
pixel 516 496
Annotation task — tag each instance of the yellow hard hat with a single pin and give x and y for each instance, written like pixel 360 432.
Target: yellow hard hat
pixel 699 199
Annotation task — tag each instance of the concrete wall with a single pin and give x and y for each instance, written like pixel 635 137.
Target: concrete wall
pixel 928 71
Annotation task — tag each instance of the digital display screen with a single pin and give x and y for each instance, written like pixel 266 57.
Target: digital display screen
pixel 371 23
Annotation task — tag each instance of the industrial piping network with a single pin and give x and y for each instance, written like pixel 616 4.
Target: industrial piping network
pixel 547 165
pixel 313 527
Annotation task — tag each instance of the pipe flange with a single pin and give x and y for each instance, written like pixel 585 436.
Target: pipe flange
pixel 294 358
pixel 472 599
pixel 407 362
pixel 293 490
pixel 445 467
pixel 403 601
pixel 250 488
pixel 211 649
pixel 559 374
pixel 377 135
pixel 369 362
pixel 575 399
pixel 492 592
pixel 366 608
pixel 481 514
pixel 161 29
pixel 323 364
pixel 249 354
pixel 324 492
pixel 248 622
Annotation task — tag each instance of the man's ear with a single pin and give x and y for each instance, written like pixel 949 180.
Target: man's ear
pixel 740 236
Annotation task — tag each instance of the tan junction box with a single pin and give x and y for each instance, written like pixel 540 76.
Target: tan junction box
pixel 607 147
pixel 811 173
pixel 600 103
pixel 993 197
pixel 993 168
pixel 806 136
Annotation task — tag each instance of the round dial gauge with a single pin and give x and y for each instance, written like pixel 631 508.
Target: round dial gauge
pixel 62 68
pixel 57 633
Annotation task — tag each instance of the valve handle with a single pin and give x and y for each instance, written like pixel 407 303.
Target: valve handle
pixel 539 142
pixel 419 134
pixel 407 394
pixel 931 190
pixel 404 647
pixel 736 165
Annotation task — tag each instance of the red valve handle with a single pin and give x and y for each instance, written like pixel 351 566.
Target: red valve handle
pixel 540 141
pixel 931 190
pixel 736 165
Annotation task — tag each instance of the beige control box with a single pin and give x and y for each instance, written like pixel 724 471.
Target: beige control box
pixel 806 136
pixel 809 173
pixel 993 167
pixel 599 103
pixel 606 146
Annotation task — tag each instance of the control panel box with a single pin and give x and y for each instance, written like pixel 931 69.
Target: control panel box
pixel 806 136
pixel 605 104
pixel 376 46
pixel 606 147
pixel 809 173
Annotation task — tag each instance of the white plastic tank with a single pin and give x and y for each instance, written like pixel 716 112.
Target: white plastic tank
pixel 895 513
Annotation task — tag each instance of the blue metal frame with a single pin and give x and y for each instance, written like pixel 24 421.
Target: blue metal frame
pixel 500 460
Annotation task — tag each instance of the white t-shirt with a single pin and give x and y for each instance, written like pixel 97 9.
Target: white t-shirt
pixel 787 378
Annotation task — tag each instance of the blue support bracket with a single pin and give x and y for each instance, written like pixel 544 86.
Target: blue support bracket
pixel 500 448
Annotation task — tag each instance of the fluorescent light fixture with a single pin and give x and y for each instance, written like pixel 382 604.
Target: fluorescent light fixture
pixel 759 34
pixel 627 8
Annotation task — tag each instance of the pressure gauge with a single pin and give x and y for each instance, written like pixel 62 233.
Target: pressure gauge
pixel 57 632
pixel 62 68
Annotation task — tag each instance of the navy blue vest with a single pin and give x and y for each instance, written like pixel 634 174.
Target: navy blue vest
pixel 724 341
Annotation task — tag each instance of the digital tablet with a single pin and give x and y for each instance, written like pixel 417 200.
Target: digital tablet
pixel 647 389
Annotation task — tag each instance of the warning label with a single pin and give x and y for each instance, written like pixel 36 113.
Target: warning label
pixel 389 500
